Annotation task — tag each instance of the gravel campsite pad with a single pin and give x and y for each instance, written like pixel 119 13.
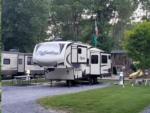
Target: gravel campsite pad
pixel 147 110
pixel 22 99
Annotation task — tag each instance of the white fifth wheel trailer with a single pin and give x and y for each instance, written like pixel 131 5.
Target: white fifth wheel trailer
pixel 66 60
pixel 16 63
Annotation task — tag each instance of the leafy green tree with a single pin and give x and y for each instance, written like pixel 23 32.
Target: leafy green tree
pixel 0 36
pixel 67 17
pixel 0 22
pixel 137 44
pixel 24 23
pixel 106 43
pixel 124 10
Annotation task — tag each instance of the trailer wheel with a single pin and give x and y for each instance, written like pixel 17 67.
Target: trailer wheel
pixel 90 80
pixel 93 80
pixel 69 83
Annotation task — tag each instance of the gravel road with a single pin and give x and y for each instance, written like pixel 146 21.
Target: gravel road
pixel 147 110
pixel 23 99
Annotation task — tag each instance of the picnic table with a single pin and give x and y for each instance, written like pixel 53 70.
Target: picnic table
pixel 144 81
pixel 21 80
pixel 147 81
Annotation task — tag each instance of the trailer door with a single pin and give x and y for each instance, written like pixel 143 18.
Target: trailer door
pixel 95 63
pixel 21 63
pixel 105 63
pixel 74 58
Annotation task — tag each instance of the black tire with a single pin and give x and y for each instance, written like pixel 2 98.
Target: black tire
pixel 69 83
pixel 93 80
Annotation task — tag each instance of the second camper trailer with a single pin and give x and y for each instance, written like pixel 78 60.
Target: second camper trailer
pixel 16 63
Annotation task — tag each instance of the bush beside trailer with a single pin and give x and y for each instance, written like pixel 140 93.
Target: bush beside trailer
pixel 66 60
pixel 16 63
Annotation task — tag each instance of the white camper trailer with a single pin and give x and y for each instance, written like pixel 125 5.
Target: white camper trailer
pixel 8 63
pixel 16 63
pixel 66 60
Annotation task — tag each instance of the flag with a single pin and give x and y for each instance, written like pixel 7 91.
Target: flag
pixel 94 40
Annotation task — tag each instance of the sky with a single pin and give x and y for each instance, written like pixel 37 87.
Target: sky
pixel 138 14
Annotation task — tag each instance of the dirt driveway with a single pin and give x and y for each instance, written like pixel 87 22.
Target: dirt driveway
pixel 22 99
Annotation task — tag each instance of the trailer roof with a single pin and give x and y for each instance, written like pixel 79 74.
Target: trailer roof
pixel 10 52
pixel 96 49
pixel 65 42
pixel 118 52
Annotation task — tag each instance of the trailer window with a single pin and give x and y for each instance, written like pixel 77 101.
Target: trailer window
pixel 6 61
pixel 19 61
pixel 104 58
pixel 79 51
pixel 94 59
pixel 29 61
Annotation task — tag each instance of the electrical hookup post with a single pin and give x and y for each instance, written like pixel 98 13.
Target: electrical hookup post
pixel 121 77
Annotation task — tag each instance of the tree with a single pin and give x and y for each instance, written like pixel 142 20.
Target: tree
pixel 67 17
pixel 137 44
pixel 124 10
pixel 0 22
pixel 67 20
pixel 106 43
pixel 0 35
pixel 24 23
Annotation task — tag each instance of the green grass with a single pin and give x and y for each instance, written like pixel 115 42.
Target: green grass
pixel 11 83
pixel 114 99
pixel 7 83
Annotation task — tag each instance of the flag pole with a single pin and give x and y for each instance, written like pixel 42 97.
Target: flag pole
pixel 95 35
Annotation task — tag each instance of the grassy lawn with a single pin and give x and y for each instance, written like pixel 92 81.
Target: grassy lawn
pixel 114 99
pixel 11 83
pixel 7 83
